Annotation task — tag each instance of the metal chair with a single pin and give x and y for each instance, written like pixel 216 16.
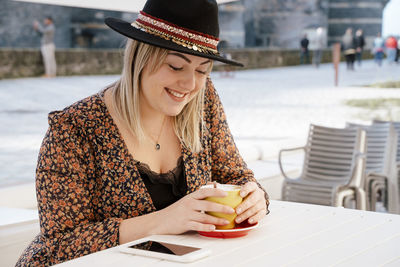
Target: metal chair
pixel 381 180
pixel 396 151
pixel 332 169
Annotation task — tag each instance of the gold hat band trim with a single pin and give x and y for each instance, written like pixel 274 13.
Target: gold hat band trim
pixel 180 41
pixel 176 30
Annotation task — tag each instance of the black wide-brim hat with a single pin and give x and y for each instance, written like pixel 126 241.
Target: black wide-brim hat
pixel 186 26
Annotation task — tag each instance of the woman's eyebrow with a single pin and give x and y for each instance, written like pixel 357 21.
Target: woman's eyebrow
pixel 187 59
pixel 181 56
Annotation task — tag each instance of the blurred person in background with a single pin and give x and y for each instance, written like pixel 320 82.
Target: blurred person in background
pixel 359 43
pixel 319 44
pixel 378 49
pixel 398 50
pixel 349 48
pixel 47 45
pixel 391 49
pixel 304 54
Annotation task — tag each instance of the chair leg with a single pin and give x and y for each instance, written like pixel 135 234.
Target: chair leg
pixel 377 186
pixel 357 194
pixel 372 189
pixel 283 192
pixel 368 190
pixel 372 201
pixel 361 199
pixel 341 195
pixel 349 202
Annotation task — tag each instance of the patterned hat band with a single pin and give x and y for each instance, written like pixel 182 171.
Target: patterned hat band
pixel 187 38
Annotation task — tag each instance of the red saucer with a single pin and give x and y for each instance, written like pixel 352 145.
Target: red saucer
pixel 239 230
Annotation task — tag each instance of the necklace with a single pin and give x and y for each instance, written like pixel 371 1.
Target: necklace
pixel 158 146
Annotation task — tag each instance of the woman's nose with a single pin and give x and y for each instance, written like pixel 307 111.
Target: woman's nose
pixel 188 80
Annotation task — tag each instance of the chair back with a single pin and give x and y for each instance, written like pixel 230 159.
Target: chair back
pixel 380 140
pixel 331 153
pixel 396 125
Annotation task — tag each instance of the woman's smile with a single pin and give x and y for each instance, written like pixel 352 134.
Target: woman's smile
pixel 175 95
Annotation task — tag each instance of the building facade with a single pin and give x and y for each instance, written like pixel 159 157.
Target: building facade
pixel 355 14
pixel 75 27
pixel 282 23
pixel 243 23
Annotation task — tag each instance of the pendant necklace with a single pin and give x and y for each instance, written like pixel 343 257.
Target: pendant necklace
pixel 158 146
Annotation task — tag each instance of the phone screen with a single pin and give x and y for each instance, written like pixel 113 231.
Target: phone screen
pixel 163 247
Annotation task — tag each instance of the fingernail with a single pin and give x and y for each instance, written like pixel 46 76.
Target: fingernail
pixel 232 210
pixel 238 210
pixel 238 219
pixel 251 220
pixel 226 222
pixel 242 194
pixel 212 227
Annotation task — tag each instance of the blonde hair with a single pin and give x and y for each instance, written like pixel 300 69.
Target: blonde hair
pixel 125 97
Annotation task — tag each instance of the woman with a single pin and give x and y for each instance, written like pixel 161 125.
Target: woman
pixel 391 49
pixel 349 48
pixel 378 49
pixel 129 162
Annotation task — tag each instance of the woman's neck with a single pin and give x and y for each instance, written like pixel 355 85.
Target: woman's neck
pixel 153 121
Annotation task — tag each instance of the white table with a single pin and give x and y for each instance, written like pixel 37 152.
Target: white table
pixel 293 234
pixel 18 227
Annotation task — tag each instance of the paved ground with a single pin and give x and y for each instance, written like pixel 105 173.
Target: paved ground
pixel 267 109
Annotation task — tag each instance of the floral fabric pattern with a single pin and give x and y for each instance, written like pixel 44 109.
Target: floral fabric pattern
pixel 87 181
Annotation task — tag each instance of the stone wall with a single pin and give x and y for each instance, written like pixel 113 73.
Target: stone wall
pixel 254 58
pixel 17 63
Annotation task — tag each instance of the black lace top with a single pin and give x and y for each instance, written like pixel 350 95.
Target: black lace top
pixel 164 188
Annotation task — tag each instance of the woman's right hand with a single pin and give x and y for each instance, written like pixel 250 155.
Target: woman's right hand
pixel 186 214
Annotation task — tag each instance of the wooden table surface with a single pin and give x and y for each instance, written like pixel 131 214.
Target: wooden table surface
pixel 294 234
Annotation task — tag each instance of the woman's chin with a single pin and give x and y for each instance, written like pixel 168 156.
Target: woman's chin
pixel 173 112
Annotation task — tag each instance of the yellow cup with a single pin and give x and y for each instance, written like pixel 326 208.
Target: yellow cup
pixel 233 199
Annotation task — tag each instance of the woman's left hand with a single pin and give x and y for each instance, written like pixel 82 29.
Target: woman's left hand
pixel 254 206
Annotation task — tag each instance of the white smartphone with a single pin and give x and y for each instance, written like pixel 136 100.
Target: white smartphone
pixel 165 250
